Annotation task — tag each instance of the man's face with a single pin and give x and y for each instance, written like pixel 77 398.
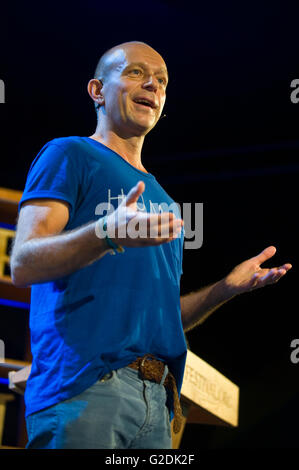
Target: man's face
pixel 134 90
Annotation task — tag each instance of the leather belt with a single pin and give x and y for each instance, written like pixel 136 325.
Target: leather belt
pixel 153 369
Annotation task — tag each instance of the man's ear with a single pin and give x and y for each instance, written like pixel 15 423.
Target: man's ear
pixel 94 89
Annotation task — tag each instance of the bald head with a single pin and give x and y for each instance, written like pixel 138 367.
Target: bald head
pixel 116 54
pixel 114 57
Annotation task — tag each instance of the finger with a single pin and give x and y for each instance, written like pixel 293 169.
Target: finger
pixel 145 225
pixel 269 276
pixel 277 273
pixel 164 217
pixel 171 219
pixel 164 225
pixel 254 280
pixel 273 276
pixel 154 220
pixel 286 266
pixel 166 231
pixel 266 254
pixel 134 193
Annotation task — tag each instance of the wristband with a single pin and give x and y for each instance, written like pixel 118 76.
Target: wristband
pixel 115 248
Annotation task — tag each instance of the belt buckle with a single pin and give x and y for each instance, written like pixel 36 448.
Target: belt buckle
pixel 141 368
pixel 145 357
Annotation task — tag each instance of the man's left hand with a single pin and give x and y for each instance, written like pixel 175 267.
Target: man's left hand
pixel 249 275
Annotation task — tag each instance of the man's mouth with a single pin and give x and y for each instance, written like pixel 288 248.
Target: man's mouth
pixel 145 102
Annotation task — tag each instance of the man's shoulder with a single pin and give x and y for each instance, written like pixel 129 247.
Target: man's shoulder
pixel 66 143
pixel 60 149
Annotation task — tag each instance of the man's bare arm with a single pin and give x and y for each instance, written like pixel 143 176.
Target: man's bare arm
pixel 42 252
pixel 197 306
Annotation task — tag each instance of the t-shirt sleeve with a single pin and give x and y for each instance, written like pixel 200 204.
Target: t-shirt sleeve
pixel 53 175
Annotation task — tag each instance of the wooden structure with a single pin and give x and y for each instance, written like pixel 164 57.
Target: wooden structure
pixel 207 397
pixel 4 399
pixel 9 200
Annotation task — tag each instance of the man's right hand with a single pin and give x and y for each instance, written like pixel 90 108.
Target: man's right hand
pixel 130 227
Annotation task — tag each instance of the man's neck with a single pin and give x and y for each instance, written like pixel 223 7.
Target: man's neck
pixel 128 148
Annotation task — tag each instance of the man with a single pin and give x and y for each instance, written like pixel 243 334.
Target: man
pixel 107 332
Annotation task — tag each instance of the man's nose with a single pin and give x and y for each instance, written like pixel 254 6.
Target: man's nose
pixel 151 83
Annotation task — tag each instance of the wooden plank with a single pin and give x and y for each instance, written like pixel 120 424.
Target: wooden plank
pixel 18 380
pixel 2 418
pixel 10 292
pixel 15 363
pixel 6 240
pixel 7 289
pixel 4 398
pixel 9 200
pixel 12 365
pixel 10 447
pixel 10 195
pixel 210 392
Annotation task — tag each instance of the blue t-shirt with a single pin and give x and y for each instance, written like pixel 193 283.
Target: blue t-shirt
pixel 105 315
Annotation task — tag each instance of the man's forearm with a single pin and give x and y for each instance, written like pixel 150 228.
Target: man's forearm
pixel 48 258
pixel 197 306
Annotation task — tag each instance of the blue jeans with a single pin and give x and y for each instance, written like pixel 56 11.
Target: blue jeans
pixel 120 411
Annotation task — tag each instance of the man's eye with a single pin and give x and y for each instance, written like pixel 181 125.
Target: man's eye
pixel 162 81
pixel 136 71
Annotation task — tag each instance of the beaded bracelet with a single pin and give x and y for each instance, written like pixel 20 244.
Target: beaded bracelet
pixel 115 248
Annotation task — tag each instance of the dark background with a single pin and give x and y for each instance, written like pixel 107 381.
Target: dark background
pixel 230 140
